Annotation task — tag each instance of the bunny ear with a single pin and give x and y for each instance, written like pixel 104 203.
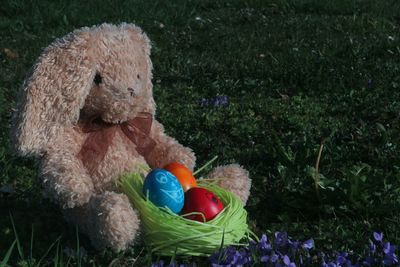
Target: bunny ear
pixel 139 37
pixel 54 93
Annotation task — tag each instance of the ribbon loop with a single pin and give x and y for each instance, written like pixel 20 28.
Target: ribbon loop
pixel 101 134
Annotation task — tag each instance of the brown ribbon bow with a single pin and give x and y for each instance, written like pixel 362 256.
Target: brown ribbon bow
pixel 101 134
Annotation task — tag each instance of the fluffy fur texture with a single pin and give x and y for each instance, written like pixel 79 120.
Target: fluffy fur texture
pixel 103 71
pixel 233 178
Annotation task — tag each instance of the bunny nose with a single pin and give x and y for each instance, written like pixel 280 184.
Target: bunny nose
pixel 131 91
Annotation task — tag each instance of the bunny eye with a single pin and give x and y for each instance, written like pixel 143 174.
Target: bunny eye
pixel 138 76
pixel 97 79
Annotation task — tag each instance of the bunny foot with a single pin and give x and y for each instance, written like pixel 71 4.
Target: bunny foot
pixel 234 179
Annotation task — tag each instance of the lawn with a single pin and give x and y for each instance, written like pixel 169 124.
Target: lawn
pixel 313 113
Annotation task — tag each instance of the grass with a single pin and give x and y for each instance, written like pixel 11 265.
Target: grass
pixel 298 74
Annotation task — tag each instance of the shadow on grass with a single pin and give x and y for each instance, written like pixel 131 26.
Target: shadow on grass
pixel 40 234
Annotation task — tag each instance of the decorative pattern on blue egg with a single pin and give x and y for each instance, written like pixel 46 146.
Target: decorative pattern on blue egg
pixel 164 190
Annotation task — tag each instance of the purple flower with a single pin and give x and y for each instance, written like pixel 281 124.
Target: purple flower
pixel 288 262
pixel 283 252
pixel 161 263
pixel 241 257
pixel 281 239
pixel 388 249
pixel 350 264
pixel 341 258
pixel 378 236
pixel 220 101
pixel 158 264
pixel 264 241
pixel 229 256
pixel 294 244
pixel 390 259
pixel 264 258
pixel 264 244
pixel 274 258
pixel 217 101
pixel 253 245
pixel 308 244
pixel 372 246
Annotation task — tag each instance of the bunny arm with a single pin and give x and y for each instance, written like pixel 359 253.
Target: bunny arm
pixel 63 174
pixel 168 150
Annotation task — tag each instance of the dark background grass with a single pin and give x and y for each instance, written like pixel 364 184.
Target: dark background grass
pixel 298 74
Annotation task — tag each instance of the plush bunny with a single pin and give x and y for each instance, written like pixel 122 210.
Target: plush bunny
pixel 87 114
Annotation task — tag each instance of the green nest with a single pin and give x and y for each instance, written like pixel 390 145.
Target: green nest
pixel 170 234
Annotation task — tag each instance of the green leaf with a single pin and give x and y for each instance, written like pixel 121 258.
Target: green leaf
pixel 3 263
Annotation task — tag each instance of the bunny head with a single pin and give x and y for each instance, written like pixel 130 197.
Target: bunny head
pixel 104 72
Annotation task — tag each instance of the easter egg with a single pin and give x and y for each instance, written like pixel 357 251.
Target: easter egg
pixel 183 174
pixel 163 189
pixel 201 200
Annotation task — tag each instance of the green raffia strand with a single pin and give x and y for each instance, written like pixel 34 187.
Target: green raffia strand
pixel 205 165
pixel 170 234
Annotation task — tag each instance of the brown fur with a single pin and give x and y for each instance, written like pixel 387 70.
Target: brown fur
pixel 61 92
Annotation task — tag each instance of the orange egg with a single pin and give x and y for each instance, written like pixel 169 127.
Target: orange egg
pixel 183 174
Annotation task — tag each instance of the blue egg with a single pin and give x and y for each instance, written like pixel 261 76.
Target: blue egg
pixel 164 190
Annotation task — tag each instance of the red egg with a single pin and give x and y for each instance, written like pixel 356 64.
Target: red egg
pixel 198 199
